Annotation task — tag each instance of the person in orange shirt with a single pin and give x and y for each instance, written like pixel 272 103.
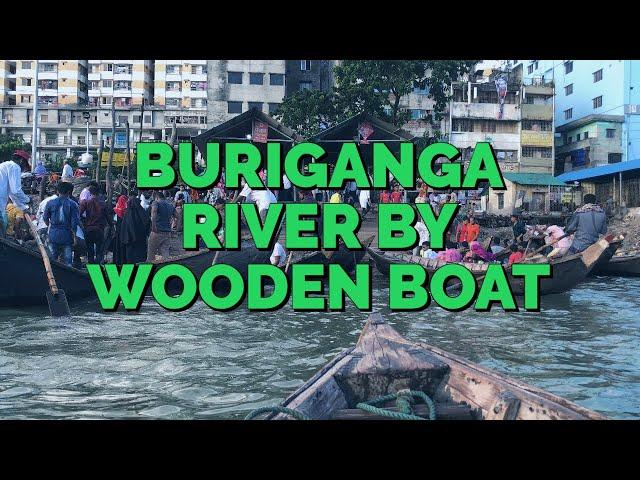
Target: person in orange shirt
pixel 473 230
pixel 461 230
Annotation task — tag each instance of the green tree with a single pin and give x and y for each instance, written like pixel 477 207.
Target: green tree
pixel 375 87
pixel 11 143
pixel 307 112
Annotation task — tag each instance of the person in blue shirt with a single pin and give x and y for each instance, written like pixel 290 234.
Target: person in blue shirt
pixel 62 216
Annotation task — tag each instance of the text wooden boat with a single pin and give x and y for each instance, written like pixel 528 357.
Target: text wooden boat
pixel 23 281
pixel 567 271
pixel 384 363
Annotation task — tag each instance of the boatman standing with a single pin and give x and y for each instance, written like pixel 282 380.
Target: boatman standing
pixel 11 185
pixel 587 224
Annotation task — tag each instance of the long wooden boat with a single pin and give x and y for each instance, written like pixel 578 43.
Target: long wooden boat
pixel 567 271
pixel 620 266
pixel 343 256
pixel 383 363
pixel 23 280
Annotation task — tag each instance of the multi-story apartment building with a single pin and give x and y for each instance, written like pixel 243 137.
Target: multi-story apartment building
pixel 126 82
pixel 235 86
pixel 597 109
pixel 518 123
pixel 180 88
pixel 60 82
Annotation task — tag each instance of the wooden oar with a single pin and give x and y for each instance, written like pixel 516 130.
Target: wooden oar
pixel 58 305
pixel 215 258
pixel 286 268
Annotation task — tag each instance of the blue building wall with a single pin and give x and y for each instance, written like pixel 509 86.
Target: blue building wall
pixel 620 86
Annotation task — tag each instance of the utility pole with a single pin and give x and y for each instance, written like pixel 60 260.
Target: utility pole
pixel 34 132
pixel 128 163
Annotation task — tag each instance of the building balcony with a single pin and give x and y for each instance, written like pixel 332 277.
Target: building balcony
pixel 535 162
pixel 569 147
pixel 499 141
pixel 532 111
pixel 485 111
pixel 540 89
pixel 534 138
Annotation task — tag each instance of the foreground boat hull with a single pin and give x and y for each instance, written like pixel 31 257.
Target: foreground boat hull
pixel 383 363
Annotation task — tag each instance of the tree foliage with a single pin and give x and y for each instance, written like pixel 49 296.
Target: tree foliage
pixel 375 87
pixel 11 143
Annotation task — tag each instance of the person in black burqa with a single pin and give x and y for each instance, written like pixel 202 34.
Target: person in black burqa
pixel 135 228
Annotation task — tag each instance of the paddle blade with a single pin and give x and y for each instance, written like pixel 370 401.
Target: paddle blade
pixel 58 305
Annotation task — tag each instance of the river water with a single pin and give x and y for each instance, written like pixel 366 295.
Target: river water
pixel 199 364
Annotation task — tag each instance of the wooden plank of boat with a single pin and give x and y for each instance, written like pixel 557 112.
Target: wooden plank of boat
pixel 383 362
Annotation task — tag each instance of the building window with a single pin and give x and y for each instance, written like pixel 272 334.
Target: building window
pixel 26 82
pixel 568 67
pixel 568 90
pixel 500 201
pixel 256 78
pixel 535 65
pixel 537 125
pixel 586 135
pixel 276 79
pixel 611 133
pixel 273 108
pixel 569 139
pixel 107 67
pixel 107 83
pixel 530 69
pixel 26 65
pixel 25 98
pixel 568 113
pixel 614 158
pixel 136 119
pixel 234 107
pixel 122 120
pixel 462 125
pixel 597 102
pixel 536 152
pixel 305 65
pixel 235 78
pixel 172 69
pixel 597 76
pixel 578 137
pixel 256 105
pixel 44 118
pixel 305 85
pixel 173 102
pixel 147 119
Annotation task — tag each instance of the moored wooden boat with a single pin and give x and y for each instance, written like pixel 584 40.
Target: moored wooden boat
pixel 383 363
pixel 567 271
pixel 620 266
pixel 23 281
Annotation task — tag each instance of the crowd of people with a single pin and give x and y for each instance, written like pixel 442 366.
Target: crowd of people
pixel 585 227
pixel 140 227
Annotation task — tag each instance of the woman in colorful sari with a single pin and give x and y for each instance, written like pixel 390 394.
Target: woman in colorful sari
pixel 477 252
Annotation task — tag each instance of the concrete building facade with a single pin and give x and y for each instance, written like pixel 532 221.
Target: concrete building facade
pixel 235 86
pixel 309 75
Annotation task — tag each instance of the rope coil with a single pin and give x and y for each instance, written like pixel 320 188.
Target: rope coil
pixel 404 399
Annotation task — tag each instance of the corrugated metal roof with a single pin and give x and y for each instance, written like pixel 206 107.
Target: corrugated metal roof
pixel 600 171
pixel 533 179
